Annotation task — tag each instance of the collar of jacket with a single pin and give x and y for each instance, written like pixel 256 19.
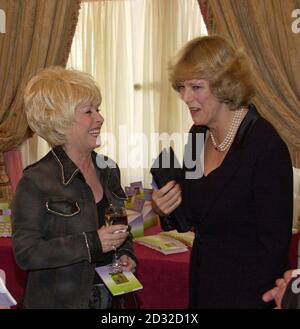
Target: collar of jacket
pixel 68 168
pixel 243 131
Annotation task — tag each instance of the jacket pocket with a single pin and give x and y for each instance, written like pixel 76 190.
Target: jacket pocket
pixel 64 208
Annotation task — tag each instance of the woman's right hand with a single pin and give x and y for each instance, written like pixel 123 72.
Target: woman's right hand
pixel 166 199
pixel 112 237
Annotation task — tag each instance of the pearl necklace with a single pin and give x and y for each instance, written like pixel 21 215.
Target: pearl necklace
pixel 236 120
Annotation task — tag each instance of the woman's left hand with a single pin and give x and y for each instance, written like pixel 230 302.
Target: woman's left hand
pixel 277 292
pixel 128 264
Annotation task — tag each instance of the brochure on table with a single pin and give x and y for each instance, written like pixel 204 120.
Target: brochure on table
pixel 5 220
pixel 164 244
pixel 186 238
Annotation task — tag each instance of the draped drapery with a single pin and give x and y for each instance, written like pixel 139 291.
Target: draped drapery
pixel 206 14
pixel 38 34
pixel 264 29
pixel 13 167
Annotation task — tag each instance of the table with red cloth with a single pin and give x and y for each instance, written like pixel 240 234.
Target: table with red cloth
pixel 164 277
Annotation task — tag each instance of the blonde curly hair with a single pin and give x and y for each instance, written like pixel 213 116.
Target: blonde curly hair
pixel 51 98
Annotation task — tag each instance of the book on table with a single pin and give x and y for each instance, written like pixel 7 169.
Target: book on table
pixel 118 283
pixel 5 220
pixel 186 238
pixel 6 299
pixel 164 244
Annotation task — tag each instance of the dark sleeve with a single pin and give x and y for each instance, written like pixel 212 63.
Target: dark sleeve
pixel 167 222
pixel 33 249
pixel 273 202
pixel 127 249
pixel 93 244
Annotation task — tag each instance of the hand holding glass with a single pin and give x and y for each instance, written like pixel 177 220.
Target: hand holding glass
pixel 116 216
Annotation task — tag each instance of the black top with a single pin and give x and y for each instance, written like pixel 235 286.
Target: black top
pixel 101 206
pixel 242 215
pixel 201 187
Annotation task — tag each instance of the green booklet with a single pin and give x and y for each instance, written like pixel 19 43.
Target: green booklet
pixel 164 244
pixel 186 238
pixel 118 283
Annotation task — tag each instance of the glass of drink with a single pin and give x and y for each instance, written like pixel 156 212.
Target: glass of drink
pixel 115 216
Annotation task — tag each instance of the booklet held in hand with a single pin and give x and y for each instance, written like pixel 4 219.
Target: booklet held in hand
pixel 120 282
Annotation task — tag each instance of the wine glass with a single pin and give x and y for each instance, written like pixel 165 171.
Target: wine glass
pixel 113 216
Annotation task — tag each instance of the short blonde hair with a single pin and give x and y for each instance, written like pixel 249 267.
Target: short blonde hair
pixel 51 98
pixel 213 58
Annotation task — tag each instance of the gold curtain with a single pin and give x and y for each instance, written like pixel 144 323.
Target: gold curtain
pixel 38 34
pixel 206 14
pixel 264 29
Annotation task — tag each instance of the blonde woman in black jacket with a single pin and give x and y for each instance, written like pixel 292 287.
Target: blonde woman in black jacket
pixel 59 234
